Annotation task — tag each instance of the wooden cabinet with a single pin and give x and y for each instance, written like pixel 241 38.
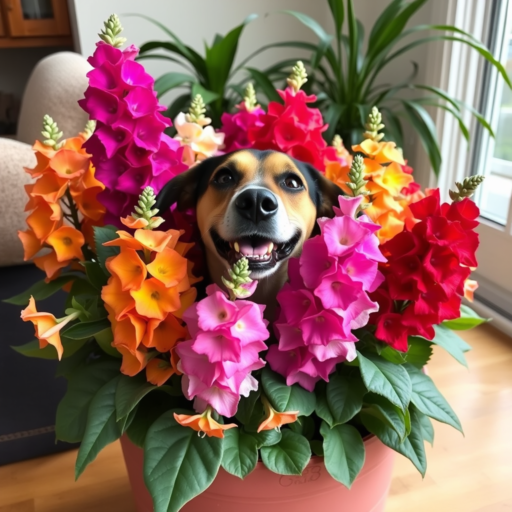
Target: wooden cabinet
pixel 25 23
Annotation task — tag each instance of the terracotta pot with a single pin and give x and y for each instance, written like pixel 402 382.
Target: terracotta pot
pixel 264 490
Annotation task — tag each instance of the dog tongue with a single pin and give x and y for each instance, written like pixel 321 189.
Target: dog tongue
pixel 248 250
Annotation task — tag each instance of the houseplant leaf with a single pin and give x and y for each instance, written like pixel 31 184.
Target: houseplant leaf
pixel 102 235
pixel 31 349
pixel 452 343
pixel 427 398
pixel 178 464
pixel 286 398
pixel 172 80
pixel 344 397
pixel 41 290
pixel 130 391
pixel 85 330
pixel 386 379
pixel 240 453
pixel 467 320
pixel 343 452
pixel 289 456
pixel 101 428
pixel 83 384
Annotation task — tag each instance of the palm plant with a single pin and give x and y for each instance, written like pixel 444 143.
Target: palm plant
pixel 345 76
pixel 210 75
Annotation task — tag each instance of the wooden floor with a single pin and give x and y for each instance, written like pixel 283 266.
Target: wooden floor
pixel 465 474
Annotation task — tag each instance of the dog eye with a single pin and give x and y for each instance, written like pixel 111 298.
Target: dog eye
pixel 224 177
pixel 293 182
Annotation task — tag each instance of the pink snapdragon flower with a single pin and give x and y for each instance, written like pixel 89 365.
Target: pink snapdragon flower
pixel 129 147
pixel 226 338
pixel 327 298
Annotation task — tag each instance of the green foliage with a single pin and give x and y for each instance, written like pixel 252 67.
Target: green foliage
pixel 452 343
pixel 289 456
pixel 343 451
pixel 102 235
pixel 286 398
pixel 130 391
pixel 101 428
pixel 467 320
pixel 211 75
pixel 85 330
pixel 386 379
pixel 346 70
pixel 83 385
pixel 240 452
pixel 41 290
pixel 31 349
pixel 178 464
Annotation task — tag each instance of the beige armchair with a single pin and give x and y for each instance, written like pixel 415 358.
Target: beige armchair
pixel 56 84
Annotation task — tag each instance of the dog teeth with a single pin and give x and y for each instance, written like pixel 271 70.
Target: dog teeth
pixel 270 248
pixel 236 246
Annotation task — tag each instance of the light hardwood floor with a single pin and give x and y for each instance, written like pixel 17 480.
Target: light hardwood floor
pixel 465 474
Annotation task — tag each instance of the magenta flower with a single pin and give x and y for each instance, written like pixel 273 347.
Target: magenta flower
pixel 327 298
pixel 129 147
pixel 217 361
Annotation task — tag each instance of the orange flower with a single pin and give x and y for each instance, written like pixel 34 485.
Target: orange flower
pixel 187 299
pixel 128 332
pixel 392 178
pixel 133 362
pixel 276 419
pixel 67 242
pixel 168 267
pixel 133 223
pixel 50 264
pixel 154 300
pixel 158 371
pixel 470 287
pixel 41 165
pixel 145 239
pixel 69 164
pixel 381 152
pixel 41 222
pixel 119 301
pixel 47 327
pixel 50 187
pixel 87 202
pixel 31 244
pixel 164 334
pixel 203 423
pixel 129 268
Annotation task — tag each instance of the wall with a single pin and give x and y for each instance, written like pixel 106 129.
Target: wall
pixel 221 15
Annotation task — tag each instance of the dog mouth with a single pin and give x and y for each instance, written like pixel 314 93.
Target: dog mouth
pixel 262 253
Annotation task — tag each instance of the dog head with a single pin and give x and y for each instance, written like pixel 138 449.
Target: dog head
pixel 259 204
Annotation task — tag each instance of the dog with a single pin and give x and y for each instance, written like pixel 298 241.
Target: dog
pixel 259 204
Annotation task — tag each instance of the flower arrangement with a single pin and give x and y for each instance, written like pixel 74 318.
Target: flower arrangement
pixel 203 382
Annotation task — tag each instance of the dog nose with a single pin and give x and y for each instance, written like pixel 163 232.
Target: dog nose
pixel 256 204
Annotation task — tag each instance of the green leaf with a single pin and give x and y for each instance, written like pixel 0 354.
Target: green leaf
pixel 332 116
pixel 311 24
pixel 180 104
pixel 85 330
pixel 220 57
pixel 344 452
pixel 102 235
pixel 419 351
pixel 467 320
pixel 172 80
pixel 412 447
pixel 286 398
pixel 83 384
pixel 392 355
pixel 452 343
pixel 101 428
pixel 338 13
pixel 31 349
pixel 81 288
pixel 41 290
pixel 304 425
pixel 95 274
pixel 104 339
pixel 69 365
pixel 208 96
pixel 246 407
pixel 178 464
pixel 288 457
pixel 267 437
pixel 130 391
pixel 423 124
pixel 427 398
pixel 344 397
pixel 426 425
pixel 383 409
pixel 264 84
pixel 240 453
pixel 386 379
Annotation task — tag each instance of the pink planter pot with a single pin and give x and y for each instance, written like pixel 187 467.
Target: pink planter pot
pixel 264 490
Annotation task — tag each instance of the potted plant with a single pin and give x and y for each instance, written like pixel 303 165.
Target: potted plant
pixel 215 406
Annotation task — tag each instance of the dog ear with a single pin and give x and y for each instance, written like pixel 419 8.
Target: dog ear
pixel 323 191
pixel 186 188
